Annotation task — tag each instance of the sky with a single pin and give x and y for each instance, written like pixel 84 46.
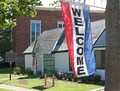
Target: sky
pixel 100 3
pixel 46 2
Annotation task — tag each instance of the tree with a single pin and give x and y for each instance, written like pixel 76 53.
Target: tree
pixel 112 64
pixel 55 3
pixel 5 42
pixel 9 10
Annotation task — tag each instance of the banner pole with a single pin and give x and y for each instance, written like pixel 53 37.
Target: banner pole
pixel 53 80
pixel 45 79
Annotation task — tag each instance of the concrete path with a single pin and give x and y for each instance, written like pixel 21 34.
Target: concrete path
pixel 100 89
pixel 14 88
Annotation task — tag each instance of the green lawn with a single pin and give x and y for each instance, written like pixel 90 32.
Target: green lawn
pixel 1 89
pixel 2 76
pixel 37 83
pixel 5 73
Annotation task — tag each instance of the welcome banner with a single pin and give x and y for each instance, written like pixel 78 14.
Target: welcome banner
pixel 79 38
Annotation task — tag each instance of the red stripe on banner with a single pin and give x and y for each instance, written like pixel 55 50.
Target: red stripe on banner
pixel 68 32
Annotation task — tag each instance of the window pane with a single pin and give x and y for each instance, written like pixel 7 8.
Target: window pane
pixel 33 27
pixel 33 37
pixel 60 25
pixel 37 30
pixel 33 31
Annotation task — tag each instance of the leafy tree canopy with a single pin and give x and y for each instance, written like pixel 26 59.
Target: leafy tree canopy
pixel 9 9
pixel 55 3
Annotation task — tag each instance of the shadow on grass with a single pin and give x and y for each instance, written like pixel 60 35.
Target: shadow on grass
pixel 1 82
pixel 41 88
pixel 29 77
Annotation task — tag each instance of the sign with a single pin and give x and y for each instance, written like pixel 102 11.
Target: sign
pixel 79 39
pixel 10 56
pixel 49 64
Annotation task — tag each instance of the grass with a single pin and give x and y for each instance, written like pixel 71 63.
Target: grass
pixel 37 83
pixel 1 89
pixel 5 73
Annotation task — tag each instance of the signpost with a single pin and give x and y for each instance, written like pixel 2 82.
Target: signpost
pixel 10 57
pixel 49 67
pixel 10 69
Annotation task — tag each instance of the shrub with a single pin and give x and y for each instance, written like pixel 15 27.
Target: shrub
pixel 96 78
pixel 64 76
pixel 17 70
pixel 58 75
pixel 91 79
pixel 28 71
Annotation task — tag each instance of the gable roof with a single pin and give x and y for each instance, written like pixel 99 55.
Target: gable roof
pixel 45 41
pixel 101 41
pixel 48 39
pixel 54 40
pixel 29 50
pixel 97 28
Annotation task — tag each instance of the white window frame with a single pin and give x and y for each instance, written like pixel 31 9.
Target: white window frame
pixel 34 21
pixel 60 22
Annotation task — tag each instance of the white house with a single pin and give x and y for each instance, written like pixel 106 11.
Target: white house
pixel 53 41
pixel 43 45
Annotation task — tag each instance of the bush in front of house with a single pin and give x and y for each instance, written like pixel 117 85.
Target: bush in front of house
pixel 64 76
pixel 28 71
pixel 58 75
pixel 17 70
pixel 93 79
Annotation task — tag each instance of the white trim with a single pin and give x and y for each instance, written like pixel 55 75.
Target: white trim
pixel 59 9
pixel 100 48
pixel 34 21
pixel 60 22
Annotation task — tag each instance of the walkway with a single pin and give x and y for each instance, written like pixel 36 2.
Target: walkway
pixel 14 88
pixel 100 89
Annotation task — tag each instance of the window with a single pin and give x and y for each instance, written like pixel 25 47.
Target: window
pixel 60 24
pixel 35 30
pixel 100 58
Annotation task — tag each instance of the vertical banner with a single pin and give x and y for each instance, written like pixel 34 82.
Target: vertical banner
pixel 79 39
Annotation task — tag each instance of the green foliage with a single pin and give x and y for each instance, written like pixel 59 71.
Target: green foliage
pixel 5 42
pixel 38 84
pixel 17 71
pixel 91 79
pixel 9 9
pixel 55 3
pixel 28 71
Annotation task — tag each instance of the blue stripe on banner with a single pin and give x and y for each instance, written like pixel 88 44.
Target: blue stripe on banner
pixel 89 52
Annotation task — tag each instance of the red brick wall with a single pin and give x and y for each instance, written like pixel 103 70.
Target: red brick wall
pixel 21 33
pixel 97 16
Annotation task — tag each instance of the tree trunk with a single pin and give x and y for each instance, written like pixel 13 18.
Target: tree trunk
pixel 112 64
